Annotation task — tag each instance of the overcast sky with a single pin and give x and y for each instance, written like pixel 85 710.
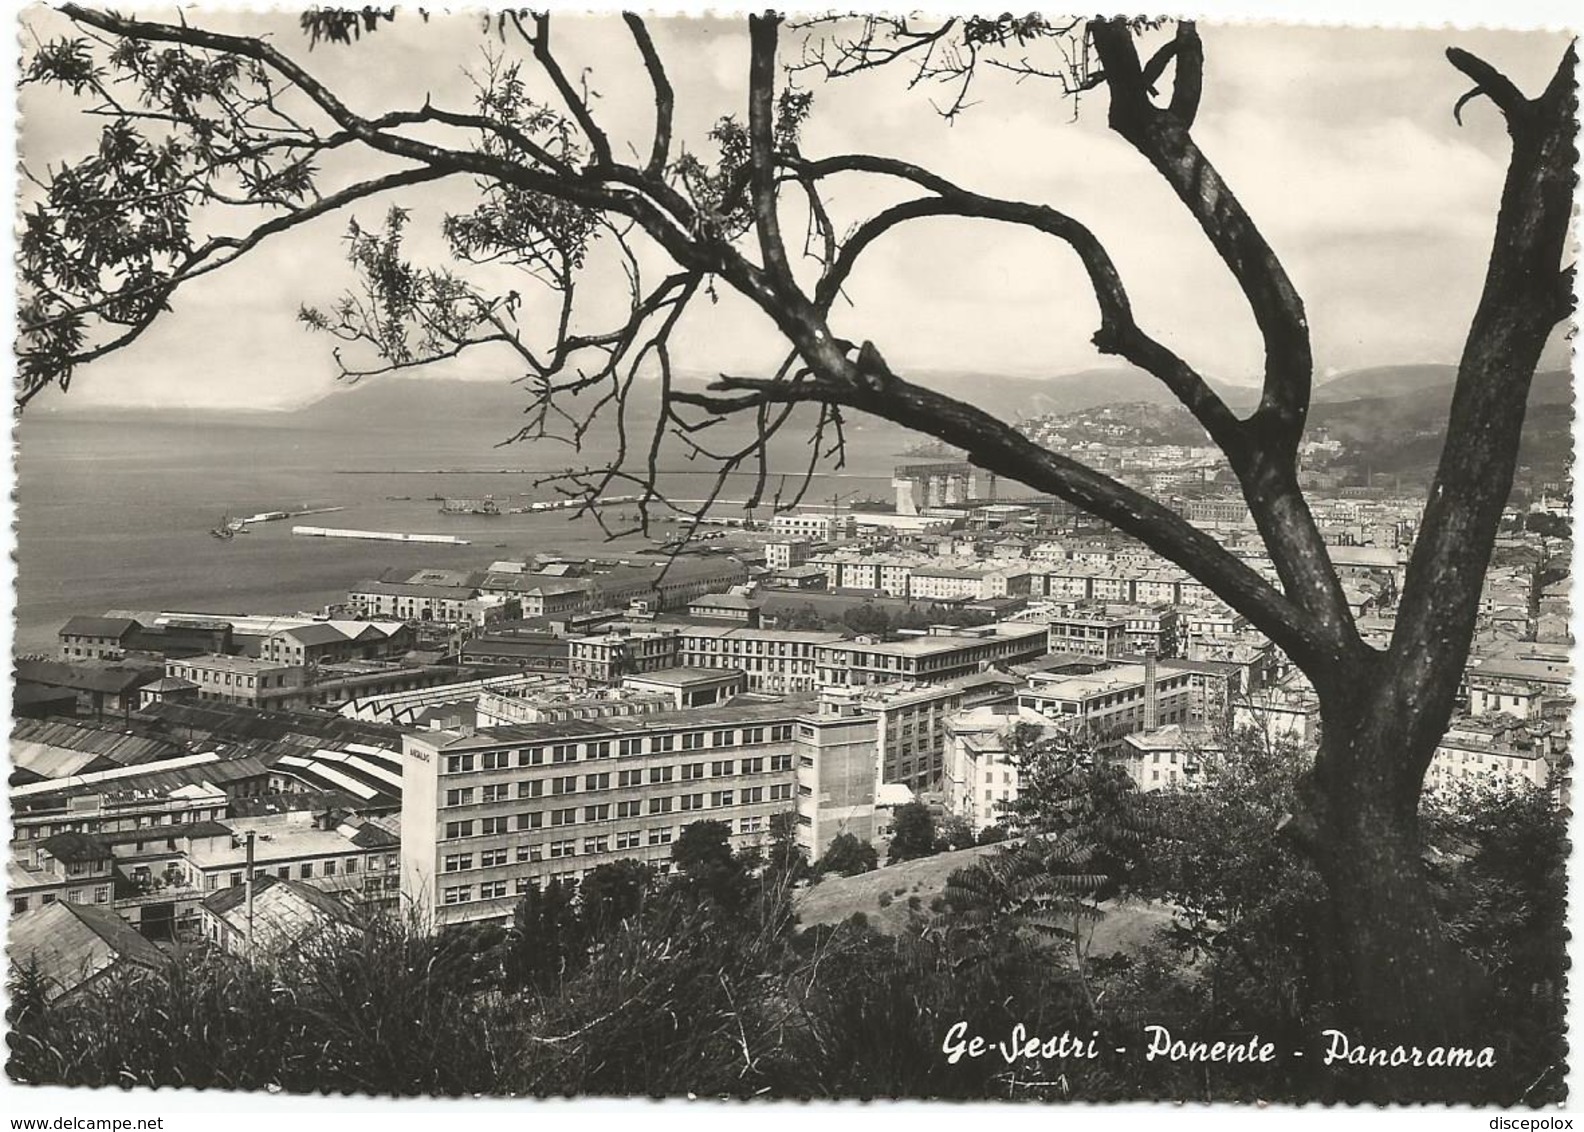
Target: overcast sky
pixel 1340 142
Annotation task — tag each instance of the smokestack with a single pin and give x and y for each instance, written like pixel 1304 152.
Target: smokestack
pixel 1151 705
pixel 248 889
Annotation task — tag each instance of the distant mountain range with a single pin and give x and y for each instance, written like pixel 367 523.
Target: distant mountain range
pixel 1384 381
pixel 1359 404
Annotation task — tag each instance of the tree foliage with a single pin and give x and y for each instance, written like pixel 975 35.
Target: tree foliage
pixel 848 856
pixel 912 833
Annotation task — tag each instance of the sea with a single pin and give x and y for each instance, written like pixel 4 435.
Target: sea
pixel 114 507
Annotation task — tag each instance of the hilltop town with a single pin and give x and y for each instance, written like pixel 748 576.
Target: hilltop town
pixel 447 740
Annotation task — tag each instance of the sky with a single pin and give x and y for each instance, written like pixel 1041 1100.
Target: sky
pixel 1340 143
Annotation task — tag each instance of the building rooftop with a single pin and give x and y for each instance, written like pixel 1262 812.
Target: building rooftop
pixel 117 627
pixel 942 642
pixel 71 943
pixel 245 665
pixel 277 840
pixel 87 676
pixel 413 589
pixel 73 847
pixel 167 684
pixel 684 677
pixel 734 713
pixel 1174 737
pixel 727 601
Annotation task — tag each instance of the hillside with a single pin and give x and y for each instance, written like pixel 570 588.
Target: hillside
pixel 1404 433
pixel 1125 927
pixel 1384 381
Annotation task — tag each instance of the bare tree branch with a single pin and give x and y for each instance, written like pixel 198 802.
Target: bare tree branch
pixel 665 98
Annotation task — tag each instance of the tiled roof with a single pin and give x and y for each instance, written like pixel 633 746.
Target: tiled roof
pixel 71 846
pixel 117 627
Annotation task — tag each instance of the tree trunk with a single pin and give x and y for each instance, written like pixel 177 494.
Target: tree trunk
pixel 1404 981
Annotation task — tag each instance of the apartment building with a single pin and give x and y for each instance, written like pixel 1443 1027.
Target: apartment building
pixel 1150 628
pixel 420 601
pixel 814 526
pixel 329 642
pixel 607 657
pixel 1211 621
pixel 945 653
pixel 776 661
pixel 1089 633
pixel 911 719
pixel 1173 757
pixel 1519 685
pixel 1217 513
pixel 890 574
pixel 1486 752
pixel 244 680
pixel 96 638
pixel 980 775
pixel 356 862
pixel 486 816
pixel 785 554
pixel 1116 701
pixel 74 867
pixel 976 583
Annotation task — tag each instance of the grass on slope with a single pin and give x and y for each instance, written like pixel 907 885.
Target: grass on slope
pixel 1126 927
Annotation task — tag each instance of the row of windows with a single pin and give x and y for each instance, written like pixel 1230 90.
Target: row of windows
pixel 605 811
pixel 625 779
pixel 638 745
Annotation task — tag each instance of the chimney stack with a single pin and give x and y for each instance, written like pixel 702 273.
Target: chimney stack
pixel 248 893
pixel 1151 705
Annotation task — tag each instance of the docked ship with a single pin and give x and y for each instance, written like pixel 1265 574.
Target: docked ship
pixel 229 528
pixel 485 506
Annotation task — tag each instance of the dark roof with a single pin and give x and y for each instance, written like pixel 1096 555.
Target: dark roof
pixel 195 624
pixel 117 627
pixel 73 846
pixel 175 830
pixel 123 745
pixel 508 646
pixel 29 694
pixel 317 634
pixel 170 684
pixel 154 778
pixel 371 836
pixel 411 589
pixel 86 675
pixel 211 723
pixel 293 801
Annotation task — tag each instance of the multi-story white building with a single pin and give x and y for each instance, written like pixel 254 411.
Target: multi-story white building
pixel 1518 685
pixel 244 680
pixel 946 654
pixel 420 601
pixel 816 526
pixel 910 721
pixel 1115 701
pixel 1089 632
pixel 607 657
pixel 949 582
pixel 1173 757
pixel 783 554
pixel 777 661
pixel 888 573
pixel 1477 751
pixel 486 816
pixel 980 775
